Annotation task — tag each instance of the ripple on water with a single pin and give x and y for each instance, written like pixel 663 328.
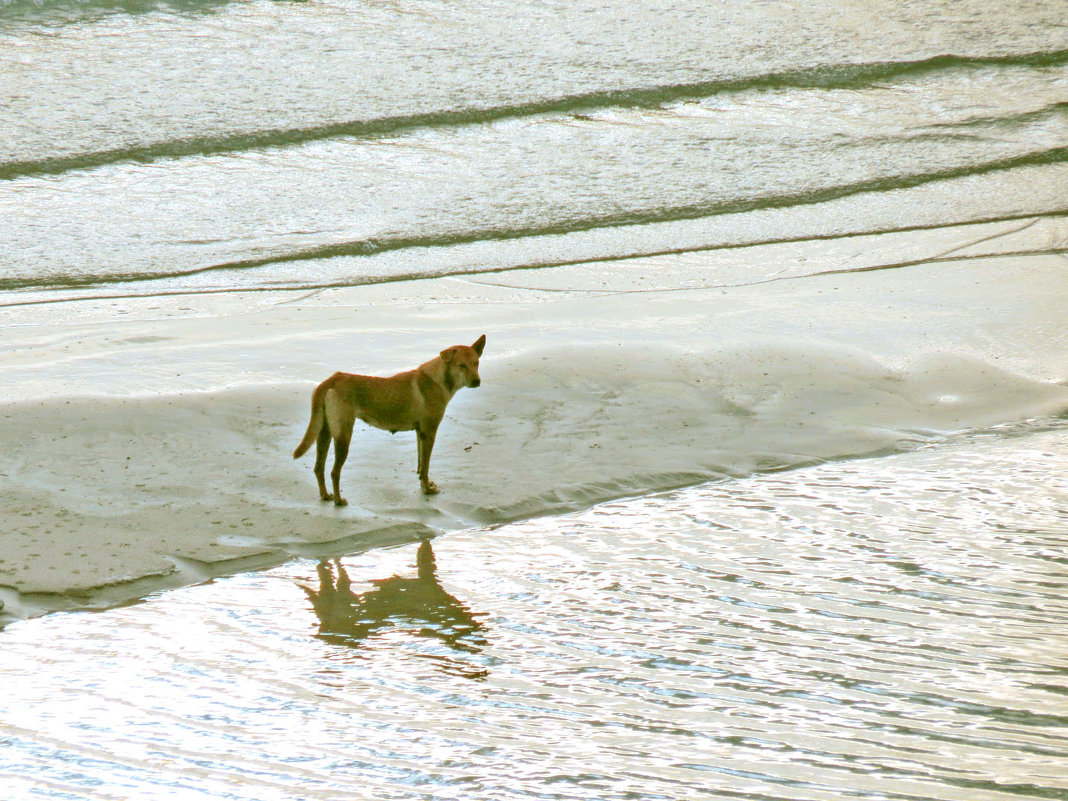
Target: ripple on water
pixel 885 628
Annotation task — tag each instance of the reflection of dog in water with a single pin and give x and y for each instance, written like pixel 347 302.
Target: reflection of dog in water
pixel 417 604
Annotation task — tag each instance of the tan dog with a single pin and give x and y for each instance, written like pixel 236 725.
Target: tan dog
pixel 410 401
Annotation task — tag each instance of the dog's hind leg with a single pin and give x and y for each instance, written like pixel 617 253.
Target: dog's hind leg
pixel 322 447
pixel 340 417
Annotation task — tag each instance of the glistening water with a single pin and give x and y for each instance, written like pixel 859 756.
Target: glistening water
pixel 150 147
pixel 886 628
pixel 882 629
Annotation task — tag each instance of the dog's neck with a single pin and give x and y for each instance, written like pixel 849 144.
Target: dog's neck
pixel 441 375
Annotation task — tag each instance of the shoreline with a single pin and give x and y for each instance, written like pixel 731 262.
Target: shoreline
pixel 147 440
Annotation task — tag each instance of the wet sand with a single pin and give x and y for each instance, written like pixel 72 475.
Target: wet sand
pixel 147 441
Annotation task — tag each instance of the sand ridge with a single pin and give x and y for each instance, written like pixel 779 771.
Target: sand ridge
pixel 147 441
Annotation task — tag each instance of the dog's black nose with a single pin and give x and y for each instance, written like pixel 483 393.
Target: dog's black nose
pixel 476 382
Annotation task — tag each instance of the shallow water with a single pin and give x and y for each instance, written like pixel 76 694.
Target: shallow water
pixel 825 231
pixel 212 145
pixel 879 628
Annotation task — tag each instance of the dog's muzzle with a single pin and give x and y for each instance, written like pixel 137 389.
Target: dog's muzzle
pixel 475 382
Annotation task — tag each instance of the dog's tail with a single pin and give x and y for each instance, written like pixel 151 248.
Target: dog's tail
pixel 318 415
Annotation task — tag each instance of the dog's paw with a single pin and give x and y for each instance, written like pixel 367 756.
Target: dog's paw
pixel 340 502
pixel 430 488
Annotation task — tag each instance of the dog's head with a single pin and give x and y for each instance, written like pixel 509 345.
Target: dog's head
pixel 461 363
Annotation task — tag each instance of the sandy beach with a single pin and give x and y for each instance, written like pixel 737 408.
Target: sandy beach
pixel 763 494
pixel 146 441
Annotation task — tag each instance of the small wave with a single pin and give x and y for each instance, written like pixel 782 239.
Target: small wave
pixel 80 10
pixel 1027 118
pixel 410 241
pixel 846 76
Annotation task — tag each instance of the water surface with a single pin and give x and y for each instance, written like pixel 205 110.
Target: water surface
pixel 884 628
pixel 212 146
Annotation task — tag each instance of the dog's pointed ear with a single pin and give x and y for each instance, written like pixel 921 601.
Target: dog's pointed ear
pixel 447 354
pixel 480 343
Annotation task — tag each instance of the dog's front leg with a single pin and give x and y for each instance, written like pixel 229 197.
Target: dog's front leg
pixel 341 452
pixel 425 436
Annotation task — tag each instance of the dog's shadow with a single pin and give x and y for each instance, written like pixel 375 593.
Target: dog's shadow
pixel 419 605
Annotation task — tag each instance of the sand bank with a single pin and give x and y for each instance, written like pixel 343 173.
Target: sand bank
pixel 146 441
